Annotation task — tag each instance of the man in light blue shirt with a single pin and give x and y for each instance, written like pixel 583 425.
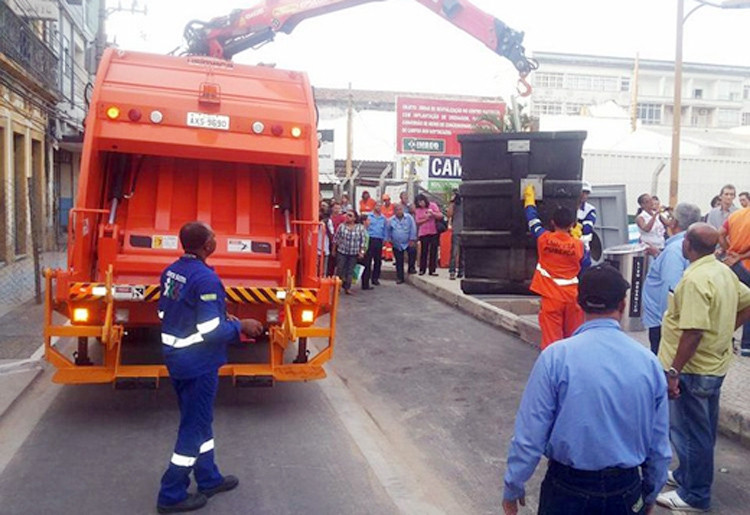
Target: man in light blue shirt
pixel 596 407
pixel 665 272
pixel 374 259
pixel 402 233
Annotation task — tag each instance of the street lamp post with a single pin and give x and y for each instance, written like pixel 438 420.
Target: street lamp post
pixel 674 176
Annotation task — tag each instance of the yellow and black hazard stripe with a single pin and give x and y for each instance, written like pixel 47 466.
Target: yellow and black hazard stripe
pixel 82 291
pixel 306 296
pixel 153 291
pixel 236 294
pixel 245 295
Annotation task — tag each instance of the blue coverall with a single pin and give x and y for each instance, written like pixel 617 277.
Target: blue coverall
pixel 195 333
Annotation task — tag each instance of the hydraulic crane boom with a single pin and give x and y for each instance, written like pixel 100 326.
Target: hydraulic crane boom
pixel 225 36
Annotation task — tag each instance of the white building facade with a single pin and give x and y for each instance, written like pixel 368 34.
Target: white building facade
pixel 713 96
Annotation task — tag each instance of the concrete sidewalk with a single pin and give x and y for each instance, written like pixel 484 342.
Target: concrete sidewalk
pixel 21 339
pixel 518 315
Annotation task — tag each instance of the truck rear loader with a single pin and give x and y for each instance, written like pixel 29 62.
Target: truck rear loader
pixel 170 140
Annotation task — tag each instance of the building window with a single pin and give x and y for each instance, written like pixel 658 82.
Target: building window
pixel 728 117
pixel 573 81
pixel 19 194
pixel 697 93
pixel 746 94
pixel 548 80
pixel 592 82
pixel 624 83
pixel 573 109
pixel 729 90
pixel 66 61
pixel 541 108
pixel 649 114
pixel 745 118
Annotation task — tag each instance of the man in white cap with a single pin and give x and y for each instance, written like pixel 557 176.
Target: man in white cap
pixel 587 219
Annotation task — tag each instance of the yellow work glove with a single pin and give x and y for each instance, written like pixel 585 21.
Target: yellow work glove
pixel 529 196
pixel 577 231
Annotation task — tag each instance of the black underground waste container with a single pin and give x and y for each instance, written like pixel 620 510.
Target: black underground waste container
pixel 500 254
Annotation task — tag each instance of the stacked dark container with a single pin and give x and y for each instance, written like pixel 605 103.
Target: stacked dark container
pixel 499 251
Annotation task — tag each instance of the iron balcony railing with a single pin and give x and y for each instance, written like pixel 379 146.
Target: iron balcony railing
pixel 19 43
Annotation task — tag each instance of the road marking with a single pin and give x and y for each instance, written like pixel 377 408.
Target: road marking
pixel 400 483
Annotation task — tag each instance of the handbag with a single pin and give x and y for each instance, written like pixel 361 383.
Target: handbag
pixel 441 225
pixel 357 274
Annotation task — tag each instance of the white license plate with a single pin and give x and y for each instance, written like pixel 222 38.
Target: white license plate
pixel 208 121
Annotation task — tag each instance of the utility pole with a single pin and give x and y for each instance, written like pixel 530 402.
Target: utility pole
pixel 634 94
pixel 674 172
pixel 349 134
pixel 104 12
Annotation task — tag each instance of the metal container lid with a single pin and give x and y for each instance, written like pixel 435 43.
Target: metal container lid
pixel 629 248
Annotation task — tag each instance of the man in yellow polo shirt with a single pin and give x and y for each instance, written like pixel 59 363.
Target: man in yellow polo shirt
pixel 707 306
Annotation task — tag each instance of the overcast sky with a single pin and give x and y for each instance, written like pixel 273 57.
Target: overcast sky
pixel 400 45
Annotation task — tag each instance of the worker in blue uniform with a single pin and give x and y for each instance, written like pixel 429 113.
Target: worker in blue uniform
pixel 587 219
pixel 195 332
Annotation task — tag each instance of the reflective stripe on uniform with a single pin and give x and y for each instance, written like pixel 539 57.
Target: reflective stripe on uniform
pixel 207 446
pixel 558 281
pixel 588 222
pixel 207 327
pixel 182 461
pixel 534 221
pixel 587 238
pixel 179 343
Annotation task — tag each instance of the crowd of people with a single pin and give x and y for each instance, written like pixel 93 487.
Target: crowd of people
pixel 606 454
pixel 695 296
pixel 404 231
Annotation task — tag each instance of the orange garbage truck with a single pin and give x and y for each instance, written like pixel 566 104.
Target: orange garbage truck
pixel 169 140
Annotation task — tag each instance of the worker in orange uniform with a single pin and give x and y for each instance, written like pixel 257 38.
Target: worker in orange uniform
pixel 388 209
pixel 556 276
pixel 366 204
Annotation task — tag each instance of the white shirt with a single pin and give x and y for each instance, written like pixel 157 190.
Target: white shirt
pixel 654 237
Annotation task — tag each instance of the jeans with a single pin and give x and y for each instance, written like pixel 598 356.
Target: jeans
pixel 744 276
pixel 373 262
pixel 345 269
pixel 398 256
pixel 693 420
pixel 654 337
pixel 430 244
pixel 457 254
pixel 413 260
pixel 567 491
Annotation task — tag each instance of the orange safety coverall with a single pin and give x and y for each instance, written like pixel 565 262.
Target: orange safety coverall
pixel 556 281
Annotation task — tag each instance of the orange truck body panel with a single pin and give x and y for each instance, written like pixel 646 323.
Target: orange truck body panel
pixel 175 139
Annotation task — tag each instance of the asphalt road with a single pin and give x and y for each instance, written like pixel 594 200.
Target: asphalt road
pixel 415 418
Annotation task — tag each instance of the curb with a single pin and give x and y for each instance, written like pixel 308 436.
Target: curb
pixel 16 377
pixel 733 423
pixel 525 329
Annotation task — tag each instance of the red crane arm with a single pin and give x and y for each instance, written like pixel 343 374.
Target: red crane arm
pixel 225 36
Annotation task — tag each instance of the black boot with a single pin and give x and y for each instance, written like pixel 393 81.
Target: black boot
pixel 230 483
pixel 192 502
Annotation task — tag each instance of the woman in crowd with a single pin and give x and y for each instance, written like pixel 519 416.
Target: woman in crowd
pixel 325 236
pixel 350 245
pixel 651 225
pixel 426 213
